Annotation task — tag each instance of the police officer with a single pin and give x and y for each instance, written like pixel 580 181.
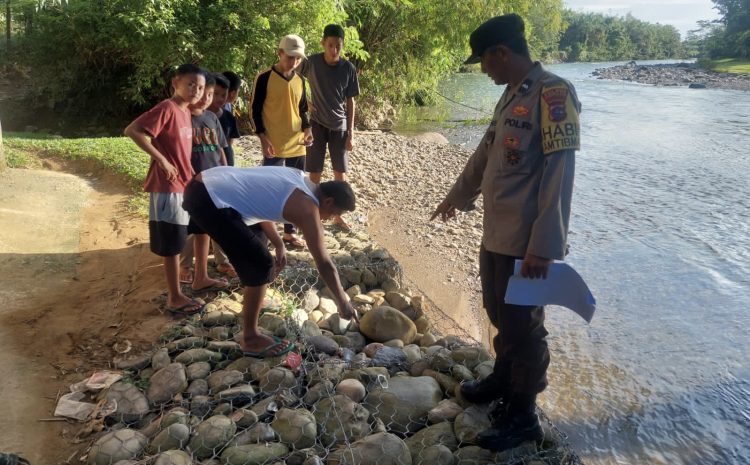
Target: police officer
pixel 524 168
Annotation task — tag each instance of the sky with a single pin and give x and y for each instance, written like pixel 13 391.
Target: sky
pixel 682 14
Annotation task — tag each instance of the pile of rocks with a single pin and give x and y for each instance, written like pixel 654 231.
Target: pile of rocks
pixel 385 392
pixel 679 74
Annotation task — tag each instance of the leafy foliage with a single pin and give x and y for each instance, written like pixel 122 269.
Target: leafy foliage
pixel 727 37
pixel 596 37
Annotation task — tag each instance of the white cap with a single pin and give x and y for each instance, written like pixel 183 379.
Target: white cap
pixel 293 45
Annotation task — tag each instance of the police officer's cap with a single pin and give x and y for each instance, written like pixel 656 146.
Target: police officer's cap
pixel 496 31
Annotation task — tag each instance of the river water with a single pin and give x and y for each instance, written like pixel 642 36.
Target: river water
pixel 660 230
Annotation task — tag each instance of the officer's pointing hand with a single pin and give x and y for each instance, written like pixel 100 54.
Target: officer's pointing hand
pixel 445 210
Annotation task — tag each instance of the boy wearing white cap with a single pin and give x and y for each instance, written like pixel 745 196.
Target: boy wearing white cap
pixel 280 116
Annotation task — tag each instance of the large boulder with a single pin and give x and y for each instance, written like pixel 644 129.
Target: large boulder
pixel 175 436
pixel 376 449
pixel 384 323
pixel 340 419
pixel 442 433
pixel 174 457
pixel 253 454
pixel 404 404
pixel 211 436
pixel 296 428
pixel 166 383
pixel 132 405
pixel 124 444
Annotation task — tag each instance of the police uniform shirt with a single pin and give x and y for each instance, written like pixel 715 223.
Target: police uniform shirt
pixel 524 168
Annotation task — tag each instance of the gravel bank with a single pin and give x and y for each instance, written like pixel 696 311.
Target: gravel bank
pixel 675 75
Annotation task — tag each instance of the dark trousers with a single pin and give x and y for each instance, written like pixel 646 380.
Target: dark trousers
pixel 291 162
pixel 520 345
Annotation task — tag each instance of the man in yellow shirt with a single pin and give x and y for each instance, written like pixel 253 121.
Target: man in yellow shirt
pixel 280 116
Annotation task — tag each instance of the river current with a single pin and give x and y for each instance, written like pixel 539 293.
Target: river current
pixel 660 230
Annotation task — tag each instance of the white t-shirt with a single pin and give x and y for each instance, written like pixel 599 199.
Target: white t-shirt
pixel 259 193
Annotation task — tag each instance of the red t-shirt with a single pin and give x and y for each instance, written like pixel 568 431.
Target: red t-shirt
pixel 171 131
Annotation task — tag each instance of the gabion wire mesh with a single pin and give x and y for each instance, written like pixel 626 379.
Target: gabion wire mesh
pixel 381 392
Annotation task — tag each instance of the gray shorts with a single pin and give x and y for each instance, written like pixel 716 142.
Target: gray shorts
pixel 167 223
pixel 316 154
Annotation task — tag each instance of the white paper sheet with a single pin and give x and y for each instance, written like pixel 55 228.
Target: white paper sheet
pixel 563 286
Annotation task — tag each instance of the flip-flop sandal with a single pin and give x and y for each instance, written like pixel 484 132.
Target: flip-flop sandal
pixel 12 459
pixel 285 346
pixel 213 288
pixel 190 308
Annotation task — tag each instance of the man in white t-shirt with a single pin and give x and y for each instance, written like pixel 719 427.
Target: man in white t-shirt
pixel 223 201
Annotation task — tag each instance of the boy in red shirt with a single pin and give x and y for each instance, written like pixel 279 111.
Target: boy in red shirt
pixel 165 133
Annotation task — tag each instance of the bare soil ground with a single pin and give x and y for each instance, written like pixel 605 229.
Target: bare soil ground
pixel 77 277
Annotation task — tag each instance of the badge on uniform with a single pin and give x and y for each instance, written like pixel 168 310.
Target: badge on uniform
pixel 559 119
pixel 513 157
pixel 555 98
pixel 525 86
pixel 512 142
pixel 520 110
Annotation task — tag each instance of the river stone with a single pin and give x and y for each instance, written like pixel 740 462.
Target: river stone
pixel 368 278
pixel 442 361
pixel 369 376
pixel 224 347
pixel 484 369
pixel 390 285
pixel 404 404
pixel 376 449
pixel 363 299
pixel 321 390
pixel 198 355
pixel 200 406
pixel 451 342
pixel 323 344
pixel 413 353
pixel 398 300
pixel 222 380
pixel 124 444
pixel 338 325
pixel 419 367
pixel 222 409
pixel 238 395
pixel 256 434
pixel 211 435
pixel 352 389
pixel 427 340
pixel 277 378
pixel 385 323
pixel 310 329
pixel 470 423
pixel 132 362
pixel 296 428
pixel 177 415
pixel 160 359
pixel 355 290
pixel 434 455
pixel 218 333
pixel 253 454
pixel 199 387
pixel 392 358
pixel 357 340
pixel 446 410
pixel 473 455
pixel 331 371
pixel 311 300
pixel 470 356
pixel 352 275
pixel 192 342
pixel 166 383
pixel 244 418
pixel 447 383
pixel 461 373
pixel 371 349
pixel 316 316
pixel 271 322
pixel 327 306
pixel 132 405
pixel 219 318
pixel 251 368
pixel 423 324
pixel 174 457
pixel 441 433
pixel 340 419
pixel 172 437
pixel 198 370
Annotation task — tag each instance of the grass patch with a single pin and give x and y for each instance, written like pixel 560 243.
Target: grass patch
pixel 116 155
pixel 728 65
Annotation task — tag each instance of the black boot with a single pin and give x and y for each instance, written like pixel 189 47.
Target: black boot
pixel 482 392
pixel 514 431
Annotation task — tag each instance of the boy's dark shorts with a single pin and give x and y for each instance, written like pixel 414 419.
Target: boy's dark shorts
pixel 245 246
pixel 316 154
pixel 167 223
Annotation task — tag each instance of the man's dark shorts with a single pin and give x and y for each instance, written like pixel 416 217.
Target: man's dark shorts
pixel 316 154
pixel 245 246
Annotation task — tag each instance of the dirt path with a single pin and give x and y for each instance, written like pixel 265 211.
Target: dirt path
pixel 71 262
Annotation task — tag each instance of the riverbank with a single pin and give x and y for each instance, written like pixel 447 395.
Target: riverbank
pixel 674 75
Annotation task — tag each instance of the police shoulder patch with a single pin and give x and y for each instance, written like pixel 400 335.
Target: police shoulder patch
pixel 559 119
